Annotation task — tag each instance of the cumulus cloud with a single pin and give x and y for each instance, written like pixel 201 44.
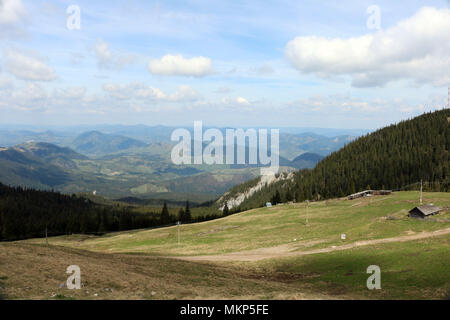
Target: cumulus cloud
pixel 223 90
pixel 263 70
pixel 241 100
pixel 108 59
pixel 70 93
pixel 139 91
pixel 238 102
pixel 11 11
pixel 27 66
pixel 343 104
pixel 6 83
pixel 416 49
pixel 177 65
pixel 338 103
pixel 30 96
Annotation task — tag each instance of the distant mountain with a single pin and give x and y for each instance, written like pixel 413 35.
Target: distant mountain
pixel 9 138
pixel 306 160
pixel 18 166
pixel 291 145
pixel 125 161
pixel 97 143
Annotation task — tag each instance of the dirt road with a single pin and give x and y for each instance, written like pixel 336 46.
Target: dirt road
pixel 290 250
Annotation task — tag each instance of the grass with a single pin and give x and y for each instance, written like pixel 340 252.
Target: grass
pixel 37 272
pixel 135 265
pixel 409 270
pixel 369 218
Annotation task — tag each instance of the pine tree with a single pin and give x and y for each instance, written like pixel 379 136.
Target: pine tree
pixel 226 210
pixel 181 215
pixel 165 217
pixel 187 213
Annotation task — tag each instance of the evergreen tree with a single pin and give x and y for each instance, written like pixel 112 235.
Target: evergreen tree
pixel 276 198
pixel 181 215
pixel 226 210
pixel 187 213
pixel 165 217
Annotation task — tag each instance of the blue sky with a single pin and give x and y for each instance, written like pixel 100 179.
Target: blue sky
pixel 238 63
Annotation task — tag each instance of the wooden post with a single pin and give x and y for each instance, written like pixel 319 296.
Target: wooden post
pixel 46 236
pixel 307 209
pixel 420 191
pixel 178 224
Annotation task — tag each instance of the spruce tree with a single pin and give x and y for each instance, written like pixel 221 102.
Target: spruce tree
pixel 181 215
pixel 165 217
pixel 226 210
pixel 187 213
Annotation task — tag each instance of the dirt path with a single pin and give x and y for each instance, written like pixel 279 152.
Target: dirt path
pixel 289 250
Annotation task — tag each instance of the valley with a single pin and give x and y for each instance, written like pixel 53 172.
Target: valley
pixel 115 165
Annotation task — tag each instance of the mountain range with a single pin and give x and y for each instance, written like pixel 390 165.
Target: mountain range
pixel 116 165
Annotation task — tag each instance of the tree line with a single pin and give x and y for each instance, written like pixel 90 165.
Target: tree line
pixel 28 213
pixel 389 158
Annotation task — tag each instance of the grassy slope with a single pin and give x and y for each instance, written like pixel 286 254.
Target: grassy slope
pixel 30 271
pixel 411 270
pixel 266 227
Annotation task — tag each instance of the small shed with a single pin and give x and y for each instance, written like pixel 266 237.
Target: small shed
pixel 268 204
pixel 424 211
pixel 369 193
pixel 361 194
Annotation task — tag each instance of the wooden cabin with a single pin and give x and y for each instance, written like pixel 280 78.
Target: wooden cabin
pixel 424 211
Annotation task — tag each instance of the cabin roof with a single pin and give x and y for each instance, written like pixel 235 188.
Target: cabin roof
pixel 428 209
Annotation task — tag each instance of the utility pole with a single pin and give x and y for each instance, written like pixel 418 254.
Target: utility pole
pixel 307 209
pixel 178 226
pixel 420 191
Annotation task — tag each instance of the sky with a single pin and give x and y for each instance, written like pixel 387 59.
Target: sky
pixel 328 64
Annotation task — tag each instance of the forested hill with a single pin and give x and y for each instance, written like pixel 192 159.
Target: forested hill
pixel 29 213
pixel 390 158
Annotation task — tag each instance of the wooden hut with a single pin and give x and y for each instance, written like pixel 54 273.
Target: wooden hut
pixel 424 211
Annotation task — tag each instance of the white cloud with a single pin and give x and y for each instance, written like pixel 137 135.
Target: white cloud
pixel 27 66
pixel 263 70
pixel 177 65
pixel 223 90
pixel 6 83
pixel 235 102
pixel 241 100
pixel 332 104
pixel 70 93
pixel 31 92
pixel 108 59
pixel 11 11
pixel 416 49
pixel 102 52
pixel 141 91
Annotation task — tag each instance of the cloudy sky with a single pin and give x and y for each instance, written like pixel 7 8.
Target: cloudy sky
pixel 238 63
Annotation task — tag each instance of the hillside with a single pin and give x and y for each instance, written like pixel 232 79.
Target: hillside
pixel 306 160
pixel 300 247
pixel 390 158
pixel 38 165
pixel 98 143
